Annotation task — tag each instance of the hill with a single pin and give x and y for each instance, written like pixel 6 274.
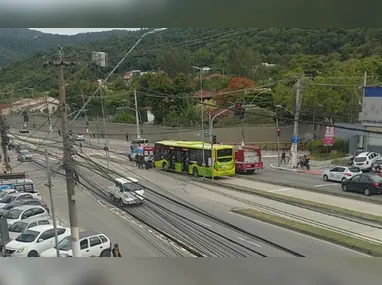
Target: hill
pixel 20 43
pixel 335 58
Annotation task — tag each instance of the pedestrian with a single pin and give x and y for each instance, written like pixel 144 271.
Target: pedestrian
pixel 283 156
pixel 137 160
pixel 93 135
pixel 146 162
pixel 140 161
pixel 289 157
pixel 59 132
pixel 81 147
pixel 127 137
pixel 116 252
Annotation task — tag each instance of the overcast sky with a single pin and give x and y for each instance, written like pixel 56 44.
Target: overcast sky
pixel 74 31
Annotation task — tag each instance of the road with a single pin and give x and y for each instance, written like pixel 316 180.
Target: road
pixel 220 207
pixel 134 239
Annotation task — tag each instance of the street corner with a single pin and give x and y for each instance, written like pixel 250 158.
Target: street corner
pixel 282 168
pixel 311 171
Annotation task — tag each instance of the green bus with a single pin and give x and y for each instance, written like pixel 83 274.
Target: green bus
pixel 187 157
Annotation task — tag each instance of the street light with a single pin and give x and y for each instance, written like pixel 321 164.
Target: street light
pixel 257 95
pixel 136 111
pixel 201 69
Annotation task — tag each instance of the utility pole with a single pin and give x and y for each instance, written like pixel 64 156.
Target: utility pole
pixel 202 116
pixel 278 138
pixel 295 125
pixel 68 164
pixel 47 108
pixel 4 141
pixel 212 145
pixel 137 115
pixel 51 202
pixel 106 148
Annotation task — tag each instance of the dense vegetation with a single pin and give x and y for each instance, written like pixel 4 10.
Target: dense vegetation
pixel 332 62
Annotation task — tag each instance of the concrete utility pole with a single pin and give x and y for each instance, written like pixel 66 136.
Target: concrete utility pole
pixel 51 202
pixel 4 141
pixel 295 125
pixel 68 165
pixel 48 110
pixel 104 128
pixel 137 115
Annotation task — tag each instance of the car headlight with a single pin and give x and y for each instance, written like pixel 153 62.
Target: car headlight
pixel 20 250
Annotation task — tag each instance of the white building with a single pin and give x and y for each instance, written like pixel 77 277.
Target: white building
pixel 40 104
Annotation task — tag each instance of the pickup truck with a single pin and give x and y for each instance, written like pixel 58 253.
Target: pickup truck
pixel 126 191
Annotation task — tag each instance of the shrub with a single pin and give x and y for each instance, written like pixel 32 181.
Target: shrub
pixel 317 146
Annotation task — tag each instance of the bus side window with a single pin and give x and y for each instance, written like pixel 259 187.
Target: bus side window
pixel 192 155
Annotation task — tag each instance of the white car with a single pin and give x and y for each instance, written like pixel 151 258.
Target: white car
pixel 340 173
pixel 25 212
pixel 92 244
pixel 365 160
pixel 18 227
pixel 78 137
pixel 17 196
pixel 126 191
pixel 32 242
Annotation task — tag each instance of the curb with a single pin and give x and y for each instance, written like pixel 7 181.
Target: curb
pixel 282 168
pixel 304 172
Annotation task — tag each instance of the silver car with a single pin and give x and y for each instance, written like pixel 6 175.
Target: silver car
pixel 24 155
pixel 18 227
pixel 340 173
pixel 25 212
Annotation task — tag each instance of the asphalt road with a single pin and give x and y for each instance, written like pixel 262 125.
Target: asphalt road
pixel 214 205
pixel 134 239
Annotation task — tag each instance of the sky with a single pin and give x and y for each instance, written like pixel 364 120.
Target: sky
pixel 74 31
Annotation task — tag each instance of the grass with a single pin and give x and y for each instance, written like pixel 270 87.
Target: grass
pixel 305 203
pixel 338 238
pixel 327 156
pixel 341 162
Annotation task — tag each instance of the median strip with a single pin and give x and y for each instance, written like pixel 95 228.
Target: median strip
pixel 307 204
pixel 337 238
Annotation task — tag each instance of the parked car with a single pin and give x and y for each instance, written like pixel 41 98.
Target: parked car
pixel 18 227
pixel 365 160
pixel 17 196
pixel 24 155
pixel 78 137
pixel 25 212
pixel 92 244
pixel 32 242
pixel 340 173
pixel 366 183
pixel 18 203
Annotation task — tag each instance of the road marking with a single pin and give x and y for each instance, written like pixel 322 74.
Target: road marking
pixel 323 185
pixel 280 190
pixel 250 242
pixel 199 222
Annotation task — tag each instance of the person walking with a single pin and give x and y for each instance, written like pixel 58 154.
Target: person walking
pixel 81 147
pixel 116 252
pixel 146 162
pixel 127 137
pixel 59 132
pixel 137 160
pixel 283 156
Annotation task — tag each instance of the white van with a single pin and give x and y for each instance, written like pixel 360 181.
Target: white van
pixel 365 160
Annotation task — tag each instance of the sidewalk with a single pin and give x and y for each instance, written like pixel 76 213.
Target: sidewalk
pixel 298 170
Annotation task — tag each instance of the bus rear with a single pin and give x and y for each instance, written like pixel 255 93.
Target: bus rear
pixel 224 160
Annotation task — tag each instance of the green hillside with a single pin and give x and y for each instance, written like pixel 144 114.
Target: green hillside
pixel 335 60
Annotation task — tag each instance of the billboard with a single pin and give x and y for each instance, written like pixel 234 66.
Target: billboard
pixel 371 114
pixel 329 136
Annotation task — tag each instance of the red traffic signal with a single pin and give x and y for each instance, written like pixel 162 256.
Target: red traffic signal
pixel 278 132
pixel 238 105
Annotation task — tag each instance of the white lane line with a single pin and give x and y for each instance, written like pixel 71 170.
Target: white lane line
pixel 280 190
pixel 250 242
pixel 323 185
pixel 199 222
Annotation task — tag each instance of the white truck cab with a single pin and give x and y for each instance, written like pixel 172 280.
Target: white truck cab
pixel 126 191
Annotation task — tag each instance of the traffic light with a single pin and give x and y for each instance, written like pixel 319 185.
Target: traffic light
pixel 241 115
pixel 278 132
pixel 213 139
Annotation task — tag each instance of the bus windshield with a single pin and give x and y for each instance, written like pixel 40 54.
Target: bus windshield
pixel 224 152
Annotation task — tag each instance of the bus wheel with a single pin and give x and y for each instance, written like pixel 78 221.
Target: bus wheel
pixel 164 165
pixel 195 172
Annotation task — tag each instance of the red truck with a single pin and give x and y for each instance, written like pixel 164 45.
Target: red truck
pixel 247 159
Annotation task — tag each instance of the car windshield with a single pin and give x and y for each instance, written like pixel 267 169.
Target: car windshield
pixel 360 159
pixel 3 194
pixel 8 199
pixel 131 187
pixel 9 206
pixel 354 169
pixel 13 214
pixel 65 244
pixel 28 236
pixel 18 227
pixel 24 152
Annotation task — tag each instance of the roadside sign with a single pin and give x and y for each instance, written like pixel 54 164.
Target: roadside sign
pixel 206 134
pixel 329 136
pixel 295 139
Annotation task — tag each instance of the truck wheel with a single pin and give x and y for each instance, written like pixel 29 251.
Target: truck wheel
pixel 251 171
pixel 120 203
pixel 130 158
pixel 164 165
pixel 195 172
